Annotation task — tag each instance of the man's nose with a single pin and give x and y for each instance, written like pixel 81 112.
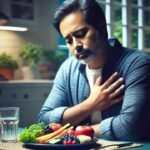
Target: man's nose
pixel 77 45
pixel 79 48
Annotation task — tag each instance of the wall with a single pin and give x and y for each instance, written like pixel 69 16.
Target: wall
pixel 40 30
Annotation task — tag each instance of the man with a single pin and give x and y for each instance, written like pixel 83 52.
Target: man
pixel 105 84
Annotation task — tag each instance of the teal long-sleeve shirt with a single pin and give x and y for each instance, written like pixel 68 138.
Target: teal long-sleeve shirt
pixel 127 120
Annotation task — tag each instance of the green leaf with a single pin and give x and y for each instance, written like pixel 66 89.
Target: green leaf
pixel 30 134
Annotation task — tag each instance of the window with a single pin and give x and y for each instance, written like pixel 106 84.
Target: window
pixel 129 21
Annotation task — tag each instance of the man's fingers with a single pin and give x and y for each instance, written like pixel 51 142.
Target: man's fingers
pixel 98 81
pixel 110 80
pixel 117 92
pixel 116 100
pixel 115 85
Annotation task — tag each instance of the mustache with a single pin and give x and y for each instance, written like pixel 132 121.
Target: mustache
pixel 83 51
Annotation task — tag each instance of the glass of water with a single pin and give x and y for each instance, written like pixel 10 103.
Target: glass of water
pixel 9 119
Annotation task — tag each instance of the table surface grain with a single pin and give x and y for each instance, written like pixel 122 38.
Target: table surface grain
pixel 11 146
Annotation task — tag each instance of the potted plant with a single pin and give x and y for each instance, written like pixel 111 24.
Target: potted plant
pixel 31 55
pixel 53 60
pixel 7 67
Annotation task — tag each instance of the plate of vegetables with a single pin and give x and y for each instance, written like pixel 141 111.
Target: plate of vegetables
pixel 57 136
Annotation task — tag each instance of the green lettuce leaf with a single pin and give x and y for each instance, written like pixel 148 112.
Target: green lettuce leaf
pixel 28 135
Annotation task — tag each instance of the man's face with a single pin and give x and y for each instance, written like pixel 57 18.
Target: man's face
pixel 82 39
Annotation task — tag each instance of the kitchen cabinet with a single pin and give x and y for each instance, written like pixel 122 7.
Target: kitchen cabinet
pixel 28 95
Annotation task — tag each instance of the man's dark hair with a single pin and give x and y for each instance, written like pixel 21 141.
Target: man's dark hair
pixel 92 11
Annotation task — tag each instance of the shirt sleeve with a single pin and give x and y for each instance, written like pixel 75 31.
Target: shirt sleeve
pixel 133 119
pixel 56 103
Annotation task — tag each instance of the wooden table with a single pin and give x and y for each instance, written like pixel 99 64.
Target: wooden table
pixel 11 146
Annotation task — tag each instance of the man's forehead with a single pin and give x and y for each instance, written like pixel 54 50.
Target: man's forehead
pixel 72 22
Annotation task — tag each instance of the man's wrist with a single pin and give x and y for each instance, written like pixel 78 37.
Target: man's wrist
pixel 89 105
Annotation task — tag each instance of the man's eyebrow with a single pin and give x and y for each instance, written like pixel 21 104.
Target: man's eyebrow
pixel 81 29
pixel 76 31
pixel 66 37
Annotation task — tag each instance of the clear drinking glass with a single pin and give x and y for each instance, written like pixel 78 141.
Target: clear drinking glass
pixel 9 119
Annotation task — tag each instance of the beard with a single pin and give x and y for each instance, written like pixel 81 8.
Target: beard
pixel 85 56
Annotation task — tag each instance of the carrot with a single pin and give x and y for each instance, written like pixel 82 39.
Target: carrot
pixel 44 138
pixel 57 136
pixel 61 134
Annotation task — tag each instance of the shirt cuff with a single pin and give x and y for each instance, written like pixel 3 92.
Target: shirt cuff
pixel 56 115
pixel 106 131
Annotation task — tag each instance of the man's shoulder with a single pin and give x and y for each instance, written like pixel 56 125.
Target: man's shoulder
pixel 70 63
pixel 137 56
pixel 129 54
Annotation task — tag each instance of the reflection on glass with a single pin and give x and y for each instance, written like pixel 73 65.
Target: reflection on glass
pixel 147 38
pixel 134 38
pixel 147 17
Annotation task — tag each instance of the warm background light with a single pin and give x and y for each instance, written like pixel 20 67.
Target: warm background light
pixel 12 28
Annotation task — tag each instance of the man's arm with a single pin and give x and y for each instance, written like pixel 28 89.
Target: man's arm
pixel 132 123
pixel 101 97
pixel 57 101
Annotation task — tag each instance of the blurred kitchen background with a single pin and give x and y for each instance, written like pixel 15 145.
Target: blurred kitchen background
pixel 31 54
pixel 39 50
pixel 36 39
